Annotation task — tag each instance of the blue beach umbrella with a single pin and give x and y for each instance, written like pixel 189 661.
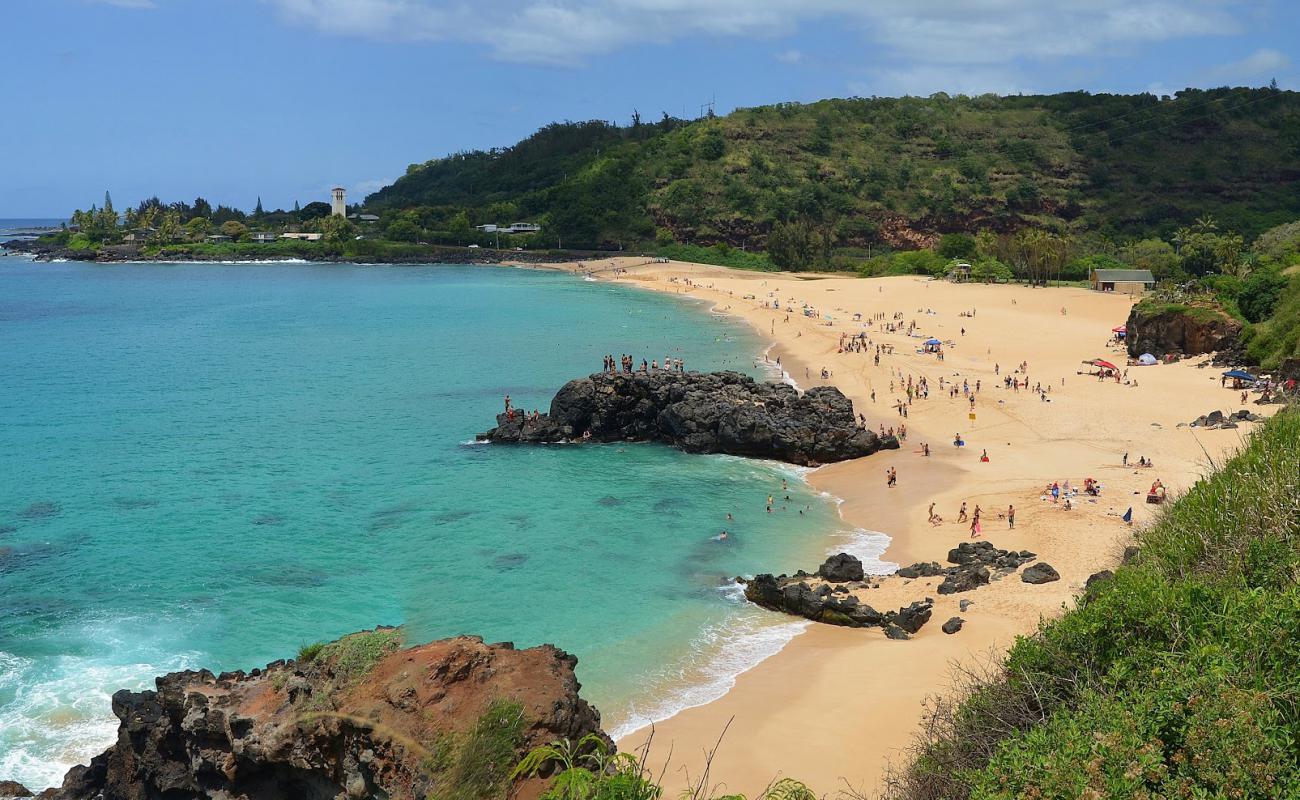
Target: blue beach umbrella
pixel 933 341
pixel 1240 374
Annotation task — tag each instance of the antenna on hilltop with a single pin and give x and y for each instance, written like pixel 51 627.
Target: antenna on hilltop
pixel 706 109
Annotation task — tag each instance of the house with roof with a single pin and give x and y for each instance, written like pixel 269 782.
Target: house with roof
pixel 1123 281
pixel 262 237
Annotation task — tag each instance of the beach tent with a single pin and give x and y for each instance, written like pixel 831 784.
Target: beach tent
pixel 1240 375
pixel 1147 360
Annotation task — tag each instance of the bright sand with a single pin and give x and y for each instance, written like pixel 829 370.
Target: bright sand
pixel 836 704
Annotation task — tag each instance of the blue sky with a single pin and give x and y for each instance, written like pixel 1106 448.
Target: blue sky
pixel 232 99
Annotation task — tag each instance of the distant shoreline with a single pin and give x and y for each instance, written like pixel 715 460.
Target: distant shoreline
pixel 125 254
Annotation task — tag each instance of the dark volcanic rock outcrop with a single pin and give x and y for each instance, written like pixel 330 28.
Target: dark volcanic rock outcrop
pixel 813 596
pixel 1162 330
pixel 711 412
pixel 13 789
pixel 841 568
pixel 321 731
pixel 1040 573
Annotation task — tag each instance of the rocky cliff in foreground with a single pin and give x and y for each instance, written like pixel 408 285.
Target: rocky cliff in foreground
pixel 358 718
pixel 710 412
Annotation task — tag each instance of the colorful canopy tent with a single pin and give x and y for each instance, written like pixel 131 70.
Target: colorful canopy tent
pixel 1147 360
pixel 1240 374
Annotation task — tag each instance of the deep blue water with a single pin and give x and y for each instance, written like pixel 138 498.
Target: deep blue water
pixel 210 465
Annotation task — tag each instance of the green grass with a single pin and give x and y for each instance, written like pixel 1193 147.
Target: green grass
pixel 309 652
pixel 356 654
pixel 1177 678
pixel 477 765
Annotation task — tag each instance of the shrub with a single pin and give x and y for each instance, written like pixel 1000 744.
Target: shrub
pixel 956 245
pixel 1260 294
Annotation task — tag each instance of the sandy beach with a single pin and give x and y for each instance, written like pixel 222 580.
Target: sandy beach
pixel 836 705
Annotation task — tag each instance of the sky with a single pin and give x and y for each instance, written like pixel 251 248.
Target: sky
pixel 233 100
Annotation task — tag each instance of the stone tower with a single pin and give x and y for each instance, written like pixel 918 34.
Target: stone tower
pixel 339 206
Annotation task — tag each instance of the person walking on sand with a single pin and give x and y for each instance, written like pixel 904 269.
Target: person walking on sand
pixel 1011 517
pixel 975 524
pixel 961 515
pixel 891 477
pixel 931 512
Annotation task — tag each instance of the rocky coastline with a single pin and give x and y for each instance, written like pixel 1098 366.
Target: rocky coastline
pixel 837 593
pixel 358 718
pixel 698 412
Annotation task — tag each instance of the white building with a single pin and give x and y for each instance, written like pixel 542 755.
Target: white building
pixel 339 206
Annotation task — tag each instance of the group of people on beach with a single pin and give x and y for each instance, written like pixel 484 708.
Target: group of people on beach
pixel 627 365
pixel 975 518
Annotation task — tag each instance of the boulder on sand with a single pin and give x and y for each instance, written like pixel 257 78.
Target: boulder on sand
pixel 1042 572
pixel 953 625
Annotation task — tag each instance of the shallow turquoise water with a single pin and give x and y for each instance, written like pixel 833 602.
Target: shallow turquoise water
pixel 209 465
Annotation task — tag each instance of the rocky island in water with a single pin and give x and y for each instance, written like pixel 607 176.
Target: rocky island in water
pixel 699 412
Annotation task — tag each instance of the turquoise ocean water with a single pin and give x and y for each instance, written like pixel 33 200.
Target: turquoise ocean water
pixel 210 465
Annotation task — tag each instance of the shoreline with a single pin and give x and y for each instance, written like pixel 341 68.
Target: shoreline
pixel 435 254
pixel 816 681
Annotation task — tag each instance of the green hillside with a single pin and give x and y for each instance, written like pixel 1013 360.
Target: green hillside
pixel 884 171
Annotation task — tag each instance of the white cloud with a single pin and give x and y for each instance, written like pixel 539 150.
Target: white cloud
pixel 789 56
pixel 1263 63
pixel 910 34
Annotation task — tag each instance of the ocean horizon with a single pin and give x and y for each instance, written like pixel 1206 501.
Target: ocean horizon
pixel 214 464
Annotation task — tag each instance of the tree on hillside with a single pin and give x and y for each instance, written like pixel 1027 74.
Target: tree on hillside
pixel 957 245
pixel 234 229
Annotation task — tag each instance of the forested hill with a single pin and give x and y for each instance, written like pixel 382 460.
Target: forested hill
pixel 893 171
